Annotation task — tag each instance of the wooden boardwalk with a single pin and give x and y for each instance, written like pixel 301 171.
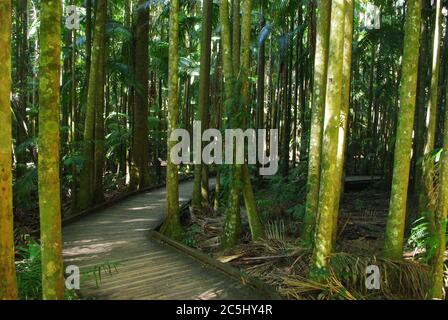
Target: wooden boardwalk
pixel 146 268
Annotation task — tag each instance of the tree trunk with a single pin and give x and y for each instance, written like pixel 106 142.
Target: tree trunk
pixel 199 188
pixel 232 225
pixel 8 282
pixel 420 112
pixel 345 108
pixel 99 156
pixel 426 202
pixel 317 117
pixel 140 177
pixel 437 284
pixel 172 227
pixel 256 227
pixel 49 142
pixel 329 178
pixel 87 172
pixel 393 245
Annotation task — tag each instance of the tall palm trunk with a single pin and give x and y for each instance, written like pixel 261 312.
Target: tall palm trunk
pixel 87 175
pixel 232 225
pixel 49 144
pixel 204 100
pixel 172 227
pixel 436 290
pixel 329 178
pixel 346 82
pixel 140 177
pixel 426 202
pixel 8 283
pixel 317 116
pixel 393 245
pixel 256 227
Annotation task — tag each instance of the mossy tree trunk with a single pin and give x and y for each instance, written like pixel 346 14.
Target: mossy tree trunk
pixel 172 226
pixel 256 227
pixel 261 73
pixel 87 175
pixel 437 284
pixel 140 176
pixel 200 182
pixel 49 144
pixel 99 156
pixel 393 245
pixel 329 177
pixel 420 112
pixel 232 225
pixel 346 82
pixel 8 283
pixel 317 117
pixel 427 203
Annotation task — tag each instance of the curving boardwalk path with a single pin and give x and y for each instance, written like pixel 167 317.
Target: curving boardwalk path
pixel 146 268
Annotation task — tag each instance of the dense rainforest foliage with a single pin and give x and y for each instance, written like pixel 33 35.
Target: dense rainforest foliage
pixel 91 92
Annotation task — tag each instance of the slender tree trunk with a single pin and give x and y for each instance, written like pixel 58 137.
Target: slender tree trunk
pixel 232 225
pixel 437 284
pixel 74 119
pixel 8 282
pixel 329 178
pixel 140 177
pixel 99 156
pixel 420 112
pixel 87 172
pixel 286 136
pixel 49 142
pixel 261 71
pixel 200 194
pixel 172 227
pixel 346 82
pixel 88 39
pixel 218 87
pixel 22 81
pixel 236 35
pixel 317 117
pixel 426 202
pixel 256 227
pixel 393 246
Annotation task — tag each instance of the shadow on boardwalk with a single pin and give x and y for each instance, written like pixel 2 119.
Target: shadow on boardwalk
pixel 146 268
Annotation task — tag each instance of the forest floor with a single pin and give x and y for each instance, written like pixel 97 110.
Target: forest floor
pixel 282 261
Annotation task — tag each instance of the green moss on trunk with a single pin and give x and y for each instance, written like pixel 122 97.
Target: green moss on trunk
pixel 87 175
pixel 256 227
pixel 427 203
pixel 172 227
pixel 346 81
pixel 393 245
pixel 8 283
pixel 200 188
pixel 49 144
pixel 327 196
pixel 437 284
pixel 317 116
pixel 232 225
pixel 140 177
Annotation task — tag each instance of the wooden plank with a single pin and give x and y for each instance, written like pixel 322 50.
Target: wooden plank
pixel 118 233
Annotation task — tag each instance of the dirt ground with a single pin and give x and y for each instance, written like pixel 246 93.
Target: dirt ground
pixel 282 261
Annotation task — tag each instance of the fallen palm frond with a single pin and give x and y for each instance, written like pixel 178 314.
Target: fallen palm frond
pixel 285 265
